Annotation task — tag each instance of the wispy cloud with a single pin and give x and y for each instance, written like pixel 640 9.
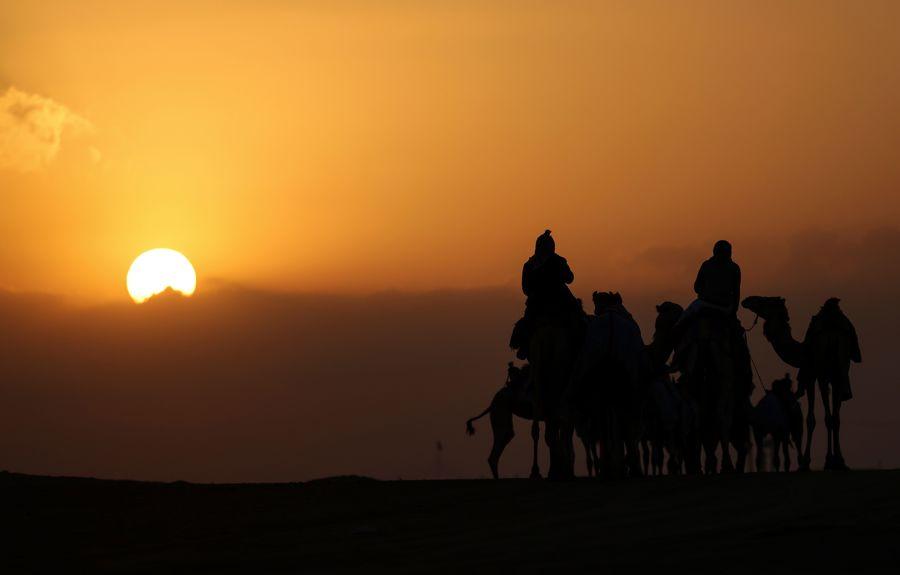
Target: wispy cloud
pixel 31 129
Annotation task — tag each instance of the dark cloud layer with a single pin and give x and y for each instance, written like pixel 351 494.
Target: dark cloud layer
pixel 243 385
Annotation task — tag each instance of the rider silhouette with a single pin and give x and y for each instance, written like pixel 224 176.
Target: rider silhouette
pixel 718 285
pixel 718 282
pixel 718 289
pixel 545 279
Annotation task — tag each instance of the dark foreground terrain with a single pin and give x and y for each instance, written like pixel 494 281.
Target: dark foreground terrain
pixel 808 522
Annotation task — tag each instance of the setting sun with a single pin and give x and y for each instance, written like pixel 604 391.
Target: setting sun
pixel 155 270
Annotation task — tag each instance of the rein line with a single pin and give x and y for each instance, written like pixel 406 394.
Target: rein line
pixel 752 361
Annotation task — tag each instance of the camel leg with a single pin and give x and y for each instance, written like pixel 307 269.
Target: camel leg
pixel 727 462
pixel 588 455
pixel 741 464
pixel 829 426
pixel 614 446
pixel 776 455
pixel 502 430
pixel 710 442
pixel 673 465
pixel 708 437
pixel 632 446
pixel 536 439
pixel 677 443
pixel 740 446
pixel 760 452
pixel 657 457
pixel 741 434
pixel 785 447
pixel 711 462
pixel 670 444
pixel 806 458
pixel 836 427
pixel 836 395
pixel 645 456
pixel 726 414
pixel 550 442
pixel 693 448
pixel 562 454
pixel 567 439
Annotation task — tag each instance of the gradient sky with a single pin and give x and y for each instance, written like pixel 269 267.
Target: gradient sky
pixel 358 184
pixel 362 146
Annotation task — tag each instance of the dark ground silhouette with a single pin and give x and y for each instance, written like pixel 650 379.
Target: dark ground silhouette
pixel 801 521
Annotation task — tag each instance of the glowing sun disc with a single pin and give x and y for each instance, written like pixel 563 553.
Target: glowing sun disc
pixel 155 270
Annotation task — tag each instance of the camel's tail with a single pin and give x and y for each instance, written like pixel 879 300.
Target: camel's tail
pixel 470 429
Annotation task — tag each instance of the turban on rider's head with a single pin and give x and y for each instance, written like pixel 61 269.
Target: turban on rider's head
pixel 545 243
pixel 722 249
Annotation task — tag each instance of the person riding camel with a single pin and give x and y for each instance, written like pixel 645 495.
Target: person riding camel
pixel 718 289
pixel 545 281
pixel 718 285
pixel 718 282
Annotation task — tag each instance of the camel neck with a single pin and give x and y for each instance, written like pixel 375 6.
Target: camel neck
pixel 779 334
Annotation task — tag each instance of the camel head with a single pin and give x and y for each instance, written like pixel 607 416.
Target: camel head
pixel 767 308
pixel 667 315
pixel 606 300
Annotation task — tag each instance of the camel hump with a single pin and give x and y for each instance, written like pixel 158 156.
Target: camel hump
pixel 831 318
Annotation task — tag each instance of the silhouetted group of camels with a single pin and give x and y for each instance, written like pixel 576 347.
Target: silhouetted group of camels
pixel 620 397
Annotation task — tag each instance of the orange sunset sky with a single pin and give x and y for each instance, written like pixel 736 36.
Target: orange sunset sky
pixel 361 146
pixel 391 163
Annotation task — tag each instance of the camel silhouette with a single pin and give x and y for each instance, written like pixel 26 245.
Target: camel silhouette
pixel 604 392
pixel 668 416
pixel 777 415
pixel 824 356
pixel 516 397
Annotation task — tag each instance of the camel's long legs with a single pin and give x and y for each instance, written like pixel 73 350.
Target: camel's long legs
pixel 502 429
pixel 500 443
pixel 562 455
pixel 709 440
pixel 760 451
pixel 810 424
pixel 785 446
pixel 657 456
pixel 837 390
pixel 551 438
pixel 645 456
pixel 776 456
pixel 726 422
pixel 567 438
pixel 836 429
pixel 536 439
pixel 829 425
pixel 632 454
pixel 588 455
